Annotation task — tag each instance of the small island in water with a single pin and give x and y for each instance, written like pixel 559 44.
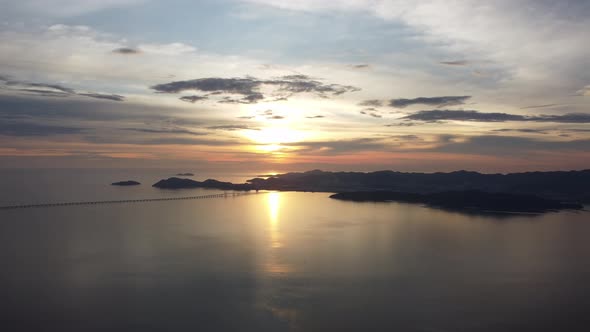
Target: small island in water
pixel 126 183
pixel 178 183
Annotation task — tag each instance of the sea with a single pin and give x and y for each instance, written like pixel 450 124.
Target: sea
pixel 276 261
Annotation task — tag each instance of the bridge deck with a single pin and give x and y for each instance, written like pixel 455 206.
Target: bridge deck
pixel 26 206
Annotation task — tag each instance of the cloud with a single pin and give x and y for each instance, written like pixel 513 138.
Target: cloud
pixel 269 115
pixel 315 117
pixel 455 63
pixel 401 124
pixel 34 129
pixel 41 86
pixel 44 93
pixel 171 49
pixel 53 90
pixel 243 86
pixel 347 146
pixel 193 99
pixel 371 112
pixel 64 8
pixel 112 97
pixel 522 130
pixel 371 103
pixel 165 131
pixel 431 101
pixel 188 141
pixel 539 106
pixel 126 51
pixel 249 87
pixel 585 91
pixel 510 145
pixel 361 66
pixel 476 116
pixel 339 146
pixel 233 127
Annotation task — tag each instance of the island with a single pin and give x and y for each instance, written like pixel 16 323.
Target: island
pixel 126 183
pixel 557 185
pixel 533 192
pixel 178 183
pixel 185 174
pixel 468 200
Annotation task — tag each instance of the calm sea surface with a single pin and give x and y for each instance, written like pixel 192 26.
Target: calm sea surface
pixel 278 262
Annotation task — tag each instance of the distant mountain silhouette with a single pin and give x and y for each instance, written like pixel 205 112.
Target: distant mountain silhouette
pixel 527 192
pixel 126 183
pixel 563 186
pixel 464 200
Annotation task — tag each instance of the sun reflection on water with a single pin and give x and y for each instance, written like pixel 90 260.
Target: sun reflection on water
pixel 276 237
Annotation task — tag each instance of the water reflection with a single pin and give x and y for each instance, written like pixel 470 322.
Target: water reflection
pixel 290 261
pixel 276 244
pixel 275 291
pixel 274 204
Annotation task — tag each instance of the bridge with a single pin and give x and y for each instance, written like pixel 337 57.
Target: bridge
pixel 46 205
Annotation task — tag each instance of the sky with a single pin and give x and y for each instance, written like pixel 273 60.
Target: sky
pixel 276 86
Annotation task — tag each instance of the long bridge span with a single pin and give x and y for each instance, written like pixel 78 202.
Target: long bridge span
pixel 46 205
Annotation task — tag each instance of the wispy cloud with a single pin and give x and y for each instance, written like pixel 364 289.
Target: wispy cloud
pixel 476 116
pixel 166 131
pixel 455 63
pixel 539 106
pixel 233 127
pixel 371 112
pixel 112 97
pixel 53 90
pixel 126 51
pixel 431 101
pixel 193 99
pixel 371 103
pixel 35 129
pixel 585 91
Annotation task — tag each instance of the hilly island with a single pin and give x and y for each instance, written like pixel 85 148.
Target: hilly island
pixel 514 192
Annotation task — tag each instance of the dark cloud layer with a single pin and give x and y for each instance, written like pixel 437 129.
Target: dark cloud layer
pixel 476 116
pixel 53 90
pixel 539 106
pixel 431 101
pixel 455 63
pixel 233 127
pixel 522 130
pixel 103 96
pixel 166 131
pixel 34 129
pixel 193 99
pixel 126 51
pixel 249 87
pixel 371 103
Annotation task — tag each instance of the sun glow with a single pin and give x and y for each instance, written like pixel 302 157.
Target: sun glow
pixel 275 135
pixel 272 139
